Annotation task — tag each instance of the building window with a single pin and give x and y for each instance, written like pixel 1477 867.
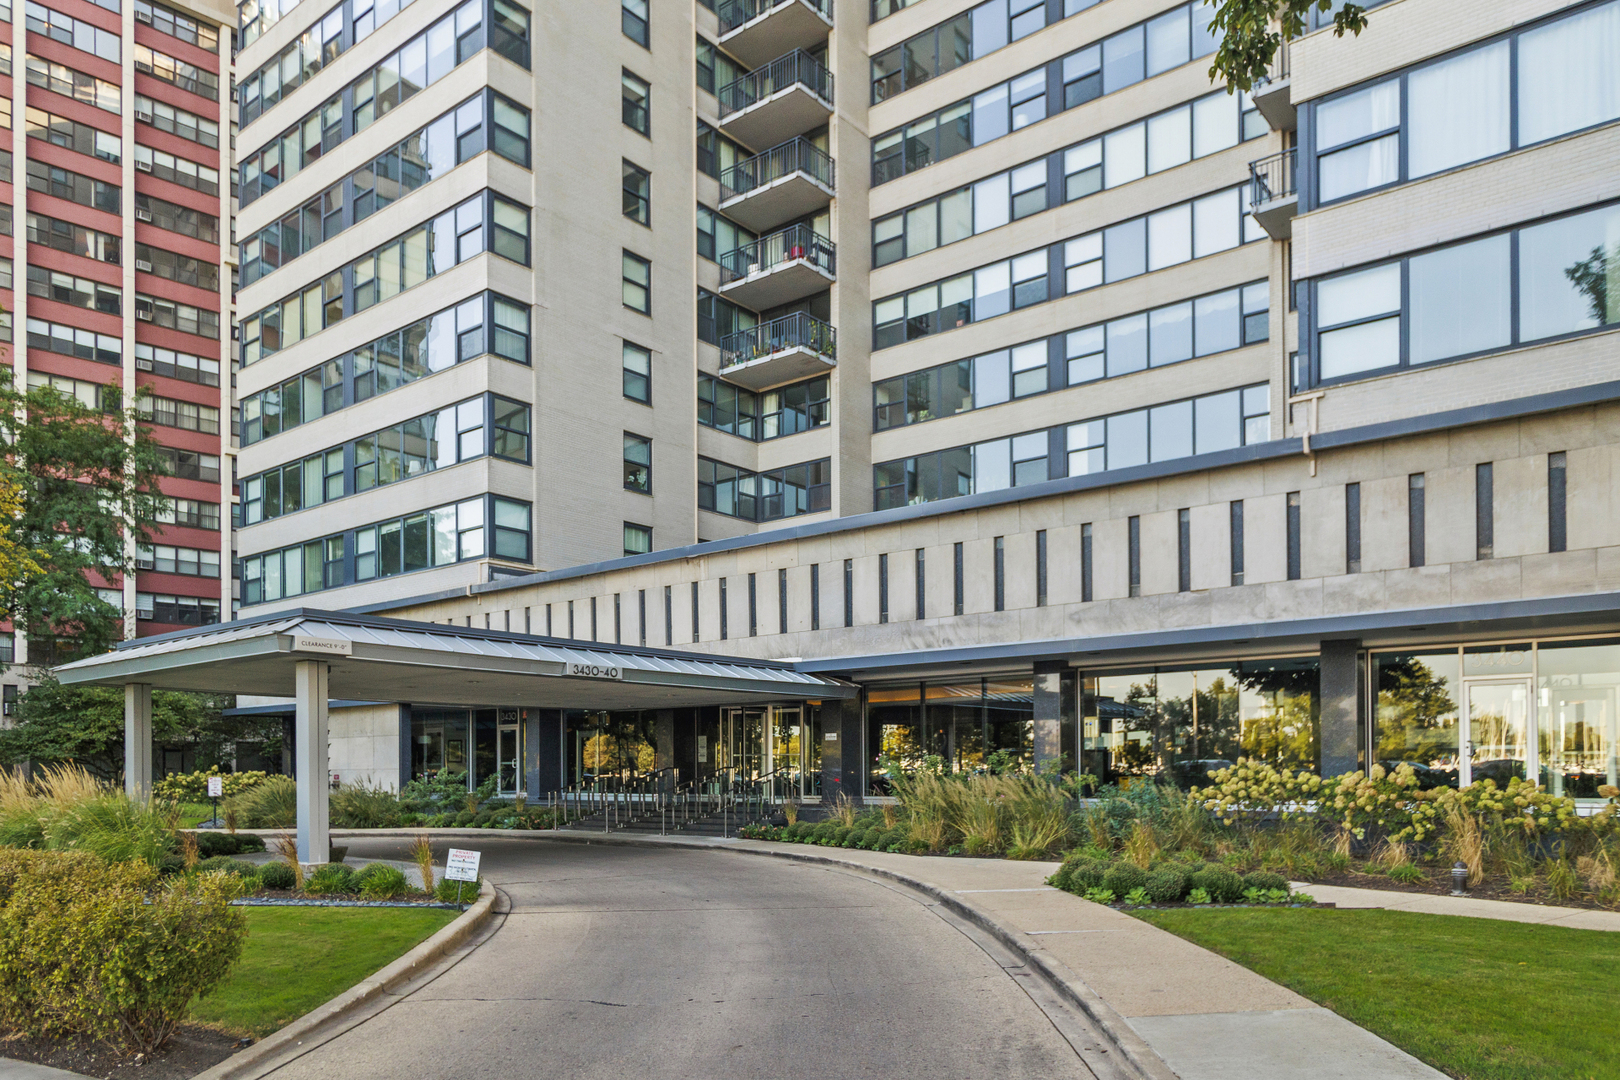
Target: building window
pixel 637 373
pixel 1415 520
pixel 637 539
pixel 849 592
pixel 1134 555
pixel 641 615
pixel 1184 550
pixel 781 599
pixel 1557 485
pixel 1293 526
pixel 815 596
pixel 633 20
pixel 883 588
pixel 1235 525
pixel 637 102
pixel 922 586
pixel 1484 511
pixel 1352 528
pixel 637 463
pixel 695 625
pixel 753 606
pixel 1001 573
pixel 669 614
pixel 511 429
pixel 637 283
pixel 1085 563
pixel 637 194
pixel 724 629
pixel 959 583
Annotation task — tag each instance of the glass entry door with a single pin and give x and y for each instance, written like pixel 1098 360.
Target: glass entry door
pixel 509 759
pixel 773 740
pixel 742 741
pixel 1496 730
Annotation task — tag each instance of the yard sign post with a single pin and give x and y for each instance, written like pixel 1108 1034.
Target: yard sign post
pixel 216 788
pixel 460 865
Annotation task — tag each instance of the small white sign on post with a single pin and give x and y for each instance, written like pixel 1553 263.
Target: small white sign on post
pixel 461 865
pixel 216 786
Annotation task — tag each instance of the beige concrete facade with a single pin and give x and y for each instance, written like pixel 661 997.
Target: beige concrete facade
pixel 1149 562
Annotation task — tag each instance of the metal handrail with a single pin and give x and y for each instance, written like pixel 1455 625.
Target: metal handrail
pixel 733 13
pixel 789 332
pixel 1273 177
pixel 774 249
pixel 797 68
pixel 796 155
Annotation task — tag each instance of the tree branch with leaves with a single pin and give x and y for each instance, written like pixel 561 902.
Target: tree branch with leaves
pixel 1253 30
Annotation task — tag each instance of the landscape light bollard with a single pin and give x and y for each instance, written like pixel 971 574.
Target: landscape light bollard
pixel 1459 880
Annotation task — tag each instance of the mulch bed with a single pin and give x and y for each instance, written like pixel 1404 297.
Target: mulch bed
pixel 1438 883
pixel 192 1050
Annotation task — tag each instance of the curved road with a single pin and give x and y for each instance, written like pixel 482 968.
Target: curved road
pixel 640 963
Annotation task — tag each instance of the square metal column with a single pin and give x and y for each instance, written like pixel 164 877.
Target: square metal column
pixel 1340 706
pixel 1049 715
pixel 138 739
pixel 310 768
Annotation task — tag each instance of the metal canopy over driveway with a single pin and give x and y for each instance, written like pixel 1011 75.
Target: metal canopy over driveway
pixel 315 656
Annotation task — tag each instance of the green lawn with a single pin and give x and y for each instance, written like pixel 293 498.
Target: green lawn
pixel 1476 998
pixel 191 813
pixel 300 957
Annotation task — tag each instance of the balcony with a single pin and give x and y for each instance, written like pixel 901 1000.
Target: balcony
pixel 1272 94
pixel 754 31
pixel 786 97
pixel 781 351
pixel 785 182
pixel 779 268
pixel 1273 194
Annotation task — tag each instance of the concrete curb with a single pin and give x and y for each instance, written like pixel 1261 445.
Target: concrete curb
pixel 1131 1046
pixel 246 1062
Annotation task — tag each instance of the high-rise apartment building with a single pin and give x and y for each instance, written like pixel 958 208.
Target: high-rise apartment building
pixel 115 179
pixel 983 353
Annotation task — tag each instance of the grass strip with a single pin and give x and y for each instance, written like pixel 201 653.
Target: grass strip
pixel 299 958
pixel 1480 999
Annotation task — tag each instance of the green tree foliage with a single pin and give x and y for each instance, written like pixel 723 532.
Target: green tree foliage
pixel 87 480
pixel 1253 30
pixel 85 724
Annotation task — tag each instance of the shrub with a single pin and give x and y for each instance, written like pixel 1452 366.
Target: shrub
pixel 1199 896
pixel 436 793
pixel 272 804
pixel 1138 897
pixel 1166 885
pixel 210 844
pixel 379 881
pixel 277 875
pixel 193 787
pixel 1265 880
pixel 362 806
pixel 824 832
pixel 1087 874
pixel 1222 886
pixel 1123 877
pixel 111 825
pixel 840 834
pixel 226 864
pixel 330 878
pixel 102 950
pixel 447 891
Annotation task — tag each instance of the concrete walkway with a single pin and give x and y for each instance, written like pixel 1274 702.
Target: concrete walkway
pixel 1175 1009
pixel 12 1069
pixel 1472 907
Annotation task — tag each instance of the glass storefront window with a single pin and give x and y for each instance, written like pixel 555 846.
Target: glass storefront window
pixel 1416 714
pixel 439 740
pixel 609 743
pixel 894 734
pixel 964 725
pixel 1575 716
pixel 1179 726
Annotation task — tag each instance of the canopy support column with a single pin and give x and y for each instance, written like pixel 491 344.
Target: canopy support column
pixel 138 740
pixel 310 761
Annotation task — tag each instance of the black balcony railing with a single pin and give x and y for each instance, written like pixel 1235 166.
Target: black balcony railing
pixel 733 13
pixel 792 243
pixel 797 68
pixel 1272 178
pixel 796 331
pixel 795 155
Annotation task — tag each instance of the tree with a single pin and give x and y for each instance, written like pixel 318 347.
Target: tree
pixel 85 725
pixel 1253 30
pixel 84 481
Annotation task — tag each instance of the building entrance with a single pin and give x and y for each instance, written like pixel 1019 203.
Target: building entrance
pixel 777 742
pixel 1496 730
